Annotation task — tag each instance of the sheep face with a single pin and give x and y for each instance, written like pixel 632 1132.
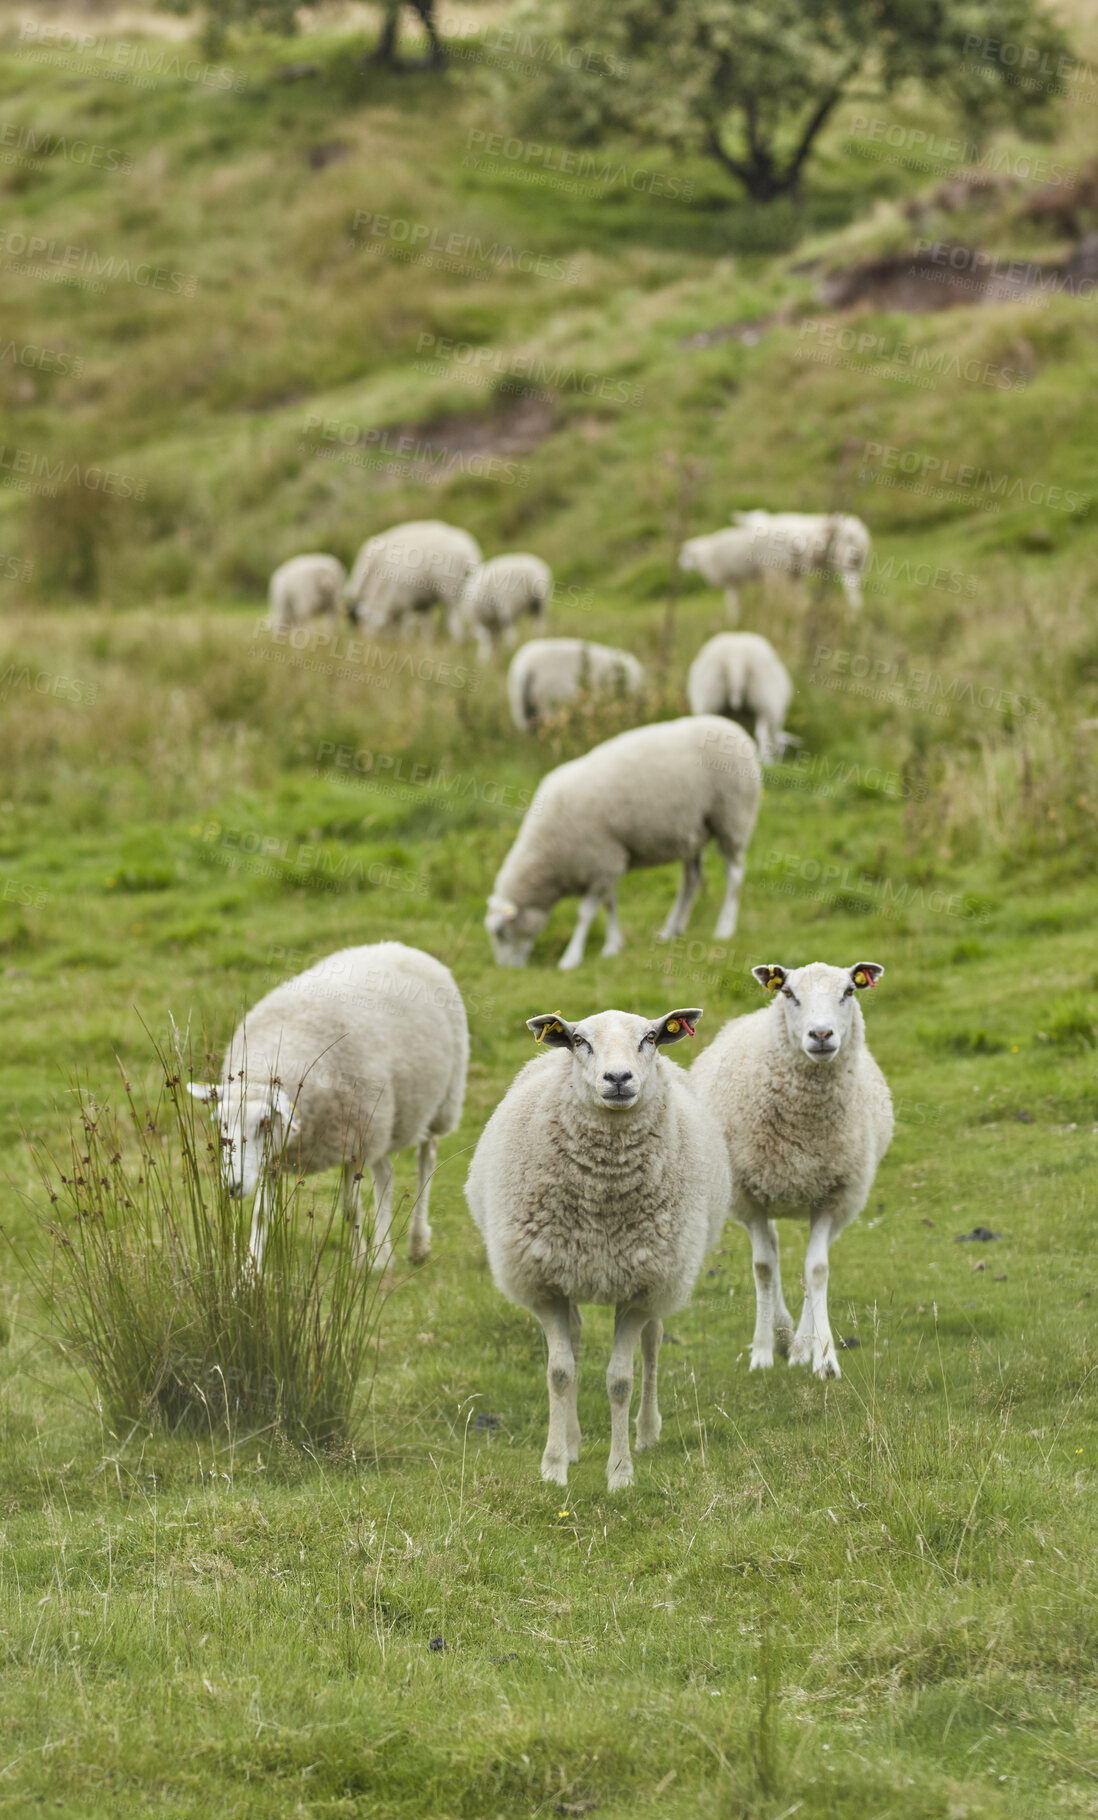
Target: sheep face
pixel 817 1002
pixel 513 930
pixel 690 556
pixel 614 1052
pixel 254 1128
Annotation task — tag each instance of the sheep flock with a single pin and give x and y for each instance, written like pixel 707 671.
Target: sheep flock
pixel 606 1172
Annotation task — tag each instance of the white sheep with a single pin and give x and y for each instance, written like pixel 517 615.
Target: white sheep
pixel 405 570
pixel 495 597
pixel 650 796
pixel 547 672
pixel 725 559
pixel 303 588
pixel 807 1117
pixel 741 673
pixel 351 1061
pixel 600 1178
pixel 804 543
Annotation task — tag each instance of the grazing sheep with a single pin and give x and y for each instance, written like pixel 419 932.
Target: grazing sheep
pixel 725 559
pixel 546 672
pixel 355 1059
pixel 648 797
pixel 303 588
pixel 496 596
pixel 599 1178
pixel 801 543
pixel 741 673
pixel 807 1117
pixel 403 571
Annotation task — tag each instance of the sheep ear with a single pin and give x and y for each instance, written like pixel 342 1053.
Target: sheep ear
pixel 771 976
pixel 676 1025
pixel 552 1030
pixel 866 973
pixel 207 1093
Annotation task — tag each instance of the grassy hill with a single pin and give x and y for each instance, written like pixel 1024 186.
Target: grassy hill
pixel 328 304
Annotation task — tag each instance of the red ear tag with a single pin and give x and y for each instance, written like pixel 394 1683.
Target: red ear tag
pixel 689 1028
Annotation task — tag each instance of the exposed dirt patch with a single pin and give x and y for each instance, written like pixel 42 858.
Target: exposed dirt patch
pixel 515 430
pixel 949 274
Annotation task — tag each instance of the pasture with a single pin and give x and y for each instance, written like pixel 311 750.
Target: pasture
pixel 873 1597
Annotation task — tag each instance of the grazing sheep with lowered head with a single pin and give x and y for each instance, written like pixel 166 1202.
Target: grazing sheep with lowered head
pixel 547 672
pixel 650 796
pixel 741 673
pixel 496 596
pixel 403 571
pixel 355 1059
pixel 303 588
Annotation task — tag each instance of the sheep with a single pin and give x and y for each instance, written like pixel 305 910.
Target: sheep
pixel 650 796
pixel 725 559
pixel 358 1057
pixel 305 587
pixel 404 570
pixel 546 672
pixel 495 597
pixel 740 672
pixel 807 1117
pixel 798 543
pixel 600 1178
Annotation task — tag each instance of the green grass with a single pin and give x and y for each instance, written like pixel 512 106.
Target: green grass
pixel 873 1598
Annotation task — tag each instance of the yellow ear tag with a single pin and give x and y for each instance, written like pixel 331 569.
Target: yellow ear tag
pixel 773 982
pixel 860 978
pixel 547 1030
pixel 673 1026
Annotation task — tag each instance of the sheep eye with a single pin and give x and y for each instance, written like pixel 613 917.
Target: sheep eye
pixel 787 994
pixel 582 1043
pixel 648 1037
pixel 849 993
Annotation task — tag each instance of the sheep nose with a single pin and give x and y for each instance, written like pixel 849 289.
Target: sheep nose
pixel 821 1036
pixel 618 1080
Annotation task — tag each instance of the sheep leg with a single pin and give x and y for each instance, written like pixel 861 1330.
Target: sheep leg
pixel 419 1232
pixel 679 914
pixel 852 588
pixel 726 921
pixel 258 1236
pixel 484 645
pixel 555 1318
pixel 588 910
pixel 813 1339
pixel 773 1321
pixel 628 1324
pixel 765 740
pixel 731 606
pixel 575 1332
pixel 382 1172
pixel 649 1420
pixel 615 940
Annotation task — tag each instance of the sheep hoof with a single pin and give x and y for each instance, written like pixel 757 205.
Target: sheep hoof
pixel 573 1451
pixel 761 1359
pixel 556 1471
pixel 619 1475
pixel 828 1367
pixel 648 1433
pixel 568 963
pixel 419 1249
pixel 800 1353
